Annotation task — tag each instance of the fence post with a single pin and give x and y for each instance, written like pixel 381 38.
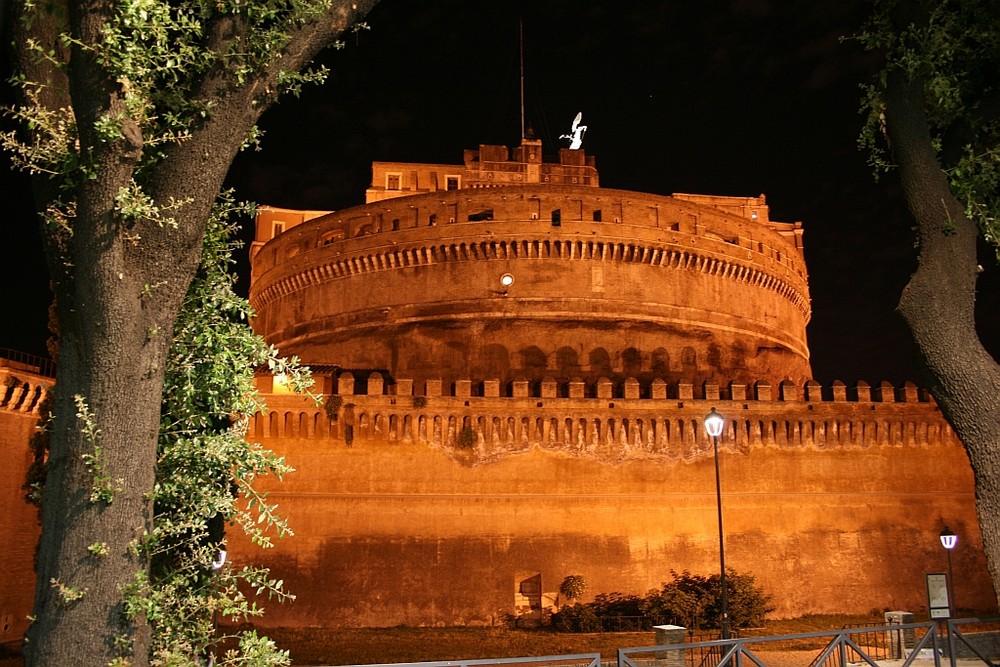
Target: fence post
pixel 900 641
pixel 667 635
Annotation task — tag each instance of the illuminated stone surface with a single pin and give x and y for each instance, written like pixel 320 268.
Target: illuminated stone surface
pixel 609 283
pixel 510 435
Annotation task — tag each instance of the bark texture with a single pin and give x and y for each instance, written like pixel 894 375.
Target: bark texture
pixel 119 285
pixel 938 303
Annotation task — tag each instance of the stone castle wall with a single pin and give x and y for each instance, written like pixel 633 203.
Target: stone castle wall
pixel 22 391
pixel 606 282
pixel 833 497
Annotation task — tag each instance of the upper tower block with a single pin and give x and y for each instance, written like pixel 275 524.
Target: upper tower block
pixel 489 166
pixel 272 221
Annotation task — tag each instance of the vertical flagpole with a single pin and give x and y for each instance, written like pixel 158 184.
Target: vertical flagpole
pixel 520 27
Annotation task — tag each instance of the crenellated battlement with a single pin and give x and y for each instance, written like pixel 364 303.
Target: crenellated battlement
pixel 613 423
pixel 631 388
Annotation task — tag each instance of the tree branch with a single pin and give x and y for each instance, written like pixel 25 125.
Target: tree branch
pixel 208 152
pixel 938 303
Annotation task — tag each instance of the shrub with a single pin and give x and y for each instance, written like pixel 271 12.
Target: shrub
pixel 332 406
pixel 747 603
pixel 689 600
pixel 695 601
pixel 617 604
pixel 467 438
pixel 578 618
pixel 679 602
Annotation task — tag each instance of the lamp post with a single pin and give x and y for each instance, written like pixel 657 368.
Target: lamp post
pixel 713 425
pixel 948 541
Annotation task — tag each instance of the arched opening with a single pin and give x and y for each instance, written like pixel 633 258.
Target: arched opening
pixel 600 362
pixel 533 362
pixel 631 362
pixel 660 362
pixel 568 362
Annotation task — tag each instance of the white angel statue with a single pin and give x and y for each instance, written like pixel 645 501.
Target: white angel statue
pixel 576 134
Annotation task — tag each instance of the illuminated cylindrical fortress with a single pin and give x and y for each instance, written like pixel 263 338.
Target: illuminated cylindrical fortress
pixel 605 283
pixel 480 439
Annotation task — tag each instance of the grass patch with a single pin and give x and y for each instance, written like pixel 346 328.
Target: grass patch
pixel 346 646
pixel 349 646
pixel 804 624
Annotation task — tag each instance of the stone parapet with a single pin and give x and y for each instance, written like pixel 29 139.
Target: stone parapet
pixel 23 389
pixel 663 421
pixel 22 392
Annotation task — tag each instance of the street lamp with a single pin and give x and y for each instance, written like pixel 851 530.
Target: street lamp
pixel 948 541
pixel 713 425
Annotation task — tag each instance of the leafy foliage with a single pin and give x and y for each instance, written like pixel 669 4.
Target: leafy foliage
pixel 682 601
pixel 206 469
pixel 747 603
pixel 162 53
pixel 466 438
pixel 38 446
pixel 576 618
pixel 695 601
pixel 955 50
pixel 332 406
pixel 617 604
pixel 102 489
pixel 689 600
pixel 573 587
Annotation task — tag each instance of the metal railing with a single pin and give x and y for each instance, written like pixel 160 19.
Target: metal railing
pixel 32 362
pixel 625 623
pixel 875 640
pixel 848 646
pixel 842 649
pixel 577 660
pixel 706 656
pixel 960 642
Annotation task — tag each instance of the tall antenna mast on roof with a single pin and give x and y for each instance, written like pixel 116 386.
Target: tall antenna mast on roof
pixel 520 28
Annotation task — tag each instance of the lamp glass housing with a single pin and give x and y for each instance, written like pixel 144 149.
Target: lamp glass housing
pixel 714 423
pixel 948 539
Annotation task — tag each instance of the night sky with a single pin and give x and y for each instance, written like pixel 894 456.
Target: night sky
pixel 727 98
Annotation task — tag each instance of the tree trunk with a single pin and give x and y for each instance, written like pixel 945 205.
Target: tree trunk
pixel 938 305
pixel 112 365
pixel 117 303
pixel 117 300
pixel 119 284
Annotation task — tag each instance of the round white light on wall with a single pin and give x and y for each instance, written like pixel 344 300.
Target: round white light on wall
pixel 506 280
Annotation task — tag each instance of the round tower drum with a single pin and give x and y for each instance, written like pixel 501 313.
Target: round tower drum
pixel 540 281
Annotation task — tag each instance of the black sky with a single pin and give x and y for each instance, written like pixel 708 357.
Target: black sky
pixel 730 98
